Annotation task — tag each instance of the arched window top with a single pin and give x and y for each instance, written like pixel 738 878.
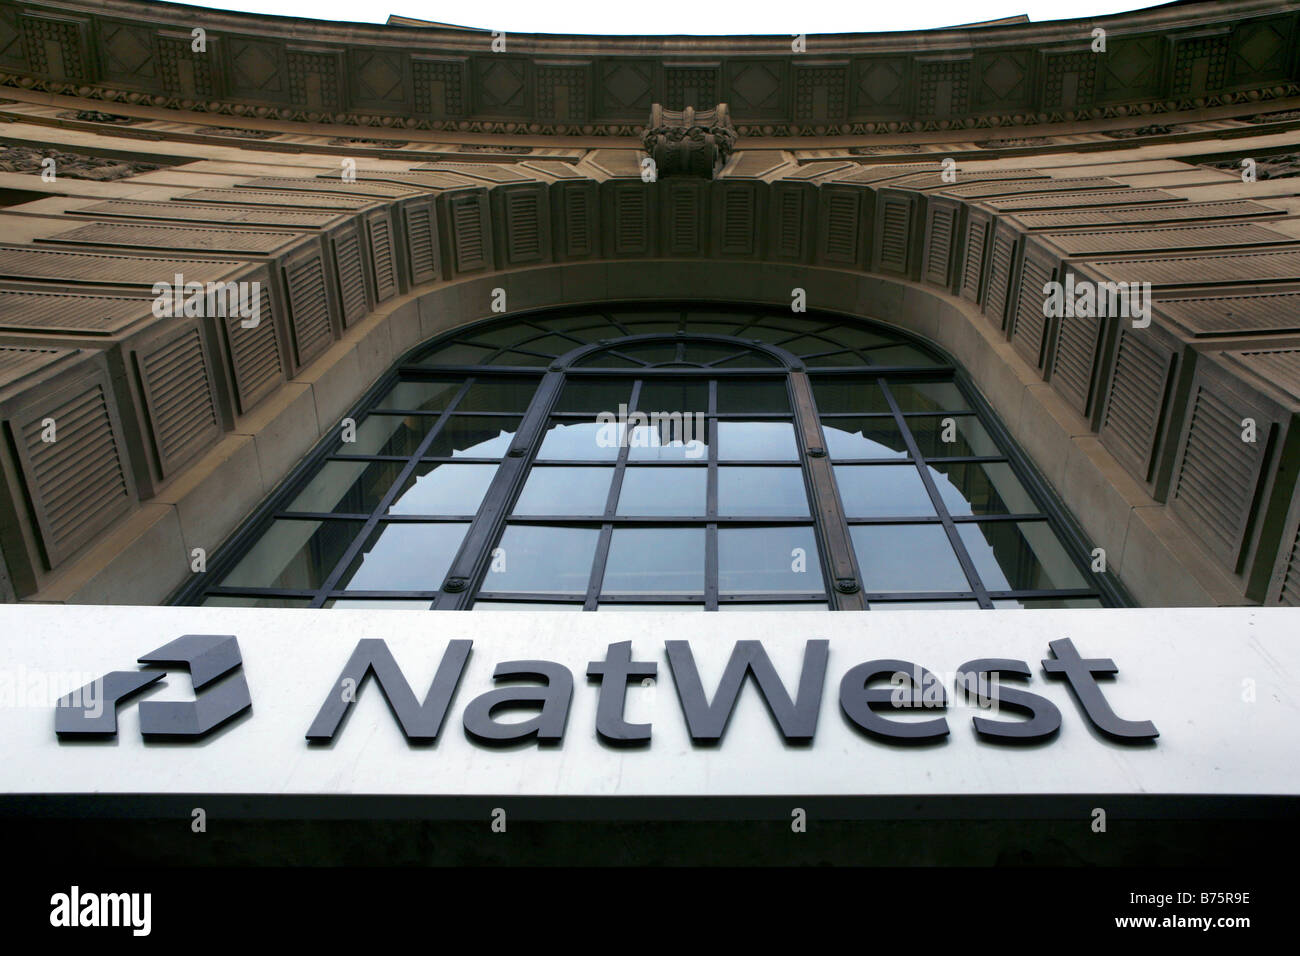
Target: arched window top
pixel 693 458
pixel 716 337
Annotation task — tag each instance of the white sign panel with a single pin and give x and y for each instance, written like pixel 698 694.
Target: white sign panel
pixel 1218 687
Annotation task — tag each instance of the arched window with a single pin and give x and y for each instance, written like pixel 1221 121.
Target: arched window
pixel 696 458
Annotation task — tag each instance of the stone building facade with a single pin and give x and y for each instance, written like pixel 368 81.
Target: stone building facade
pixel 386 185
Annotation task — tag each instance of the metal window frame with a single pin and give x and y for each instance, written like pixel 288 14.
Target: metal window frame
pixel 841 577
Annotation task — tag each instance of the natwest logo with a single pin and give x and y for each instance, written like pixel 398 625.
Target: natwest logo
pixel 208 657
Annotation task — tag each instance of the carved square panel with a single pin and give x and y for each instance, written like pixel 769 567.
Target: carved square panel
pixel 1259 50
pixel 758 90
pixel 127 53
pixel 1131 68
pixel 257 68
pixel 11 39
pixel 879 86
pixel 820 91
pixel 626 88
pixel 380 78
pixel 1005 80
pixel 501 85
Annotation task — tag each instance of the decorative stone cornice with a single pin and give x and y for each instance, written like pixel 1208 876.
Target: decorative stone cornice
pixel 1166 59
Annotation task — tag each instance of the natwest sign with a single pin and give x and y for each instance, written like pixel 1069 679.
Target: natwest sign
pixel 279 702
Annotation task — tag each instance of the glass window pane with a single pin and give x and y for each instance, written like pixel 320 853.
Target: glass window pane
pixel 387 435
pixel 768 560
pixel 865 438
pixel 898 355
pixel 1040 603
pixel 925 605
pixel 581 441
pixel 594 396
pixel 608 606
pixel 1020 555
pixel 652 353
pixel 812 344
pixel 670 438
pixel 835 359
pixel 473 437
pixel 542 559
pixel 747 360
pixel 756 441
pixel 981 488
pixel 770 492
pixel 655 560
pixel 457 353
pixel 498 395
pixel 941 396
pixel 770 606
pixel 883 491
pixel 405 557
pixel 420 396
pixel 378 604
pixel 293 554
pixel 525 606
pixel 444 490
pixel 222 600
pixel 550 344
pixel 762 397
pixel 906 557
pixel 501 336
pixel 353 487
pixel 522 359
pixel 565 491
pixel 688 398
pixel 681 492
pixel 955 436
pixel 841 394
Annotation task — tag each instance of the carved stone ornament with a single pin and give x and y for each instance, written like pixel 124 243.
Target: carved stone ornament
pixel 689 142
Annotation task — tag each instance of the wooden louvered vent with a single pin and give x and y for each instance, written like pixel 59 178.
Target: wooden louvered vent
pixel 78 484
pixel 895 234
pixel 738 223
pixel 938 255
pixel 309 308
pixel 467 233
pixel 995 302
pixel 381 251
pixel 254 355
pixel 842 228
pixel 973 264
pixel 1135 405
pixel 178 393
pixel 1214 487
pixel 523 226
pixel 631 230
pixel 352 280
pixel 789 231
pixel 578 239
pixel 419 243
pixel 1030 328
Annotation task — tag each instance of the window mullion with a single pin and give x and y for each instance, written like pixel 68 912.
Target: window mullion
pixel 475 551
pixel 611 505
pixel 940 506
pixel 711 506
pixel 844 581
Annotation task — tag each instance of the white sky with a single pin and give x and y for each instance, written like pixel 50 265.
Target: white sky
pixel 689 16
